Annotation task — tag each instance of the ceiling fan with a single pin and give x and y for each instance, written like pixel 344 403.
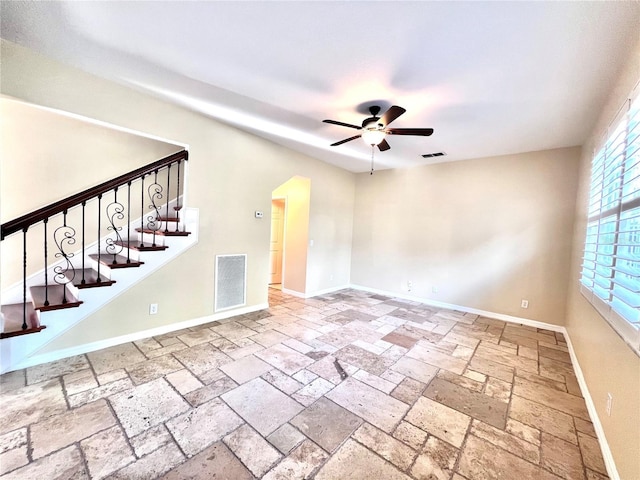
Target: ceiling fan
pixel 375 129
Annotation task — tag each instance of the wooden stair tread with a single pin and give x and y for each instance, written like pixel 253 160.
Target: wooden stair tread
pixel 13 317
pixel 168 219
pixel 91 279
pixel 141 246
pixel 163 233
pixel 55 294
pixel 120 261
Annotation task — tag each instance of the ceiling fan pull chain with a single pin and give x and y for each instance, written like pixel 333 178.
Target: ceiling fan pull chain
pixel 372 150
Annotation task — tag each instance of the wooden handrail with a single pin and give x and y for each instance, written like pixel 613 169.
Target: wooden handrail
pixel 24 222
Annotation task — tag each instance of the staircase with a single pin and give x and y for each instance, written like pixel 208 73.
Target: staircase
pixel 125 229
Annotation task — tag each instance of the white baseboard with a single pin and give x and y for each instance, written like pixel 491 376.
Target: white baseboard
pixel 591 408
pixel 317 293
pixel 132 337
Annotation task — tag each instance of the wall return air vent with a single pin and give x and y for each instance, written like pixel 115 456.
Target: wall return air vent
pixel 231 281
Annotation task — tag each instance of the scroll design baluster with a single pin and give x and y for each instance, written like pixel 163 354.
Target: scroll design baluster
pixel 115 211
pixel 177 208
pixel 155 195
pixel 64 237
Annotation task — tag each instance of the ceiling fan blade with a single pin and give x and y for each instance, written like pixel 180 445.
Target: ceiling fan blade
pixel 425 132
pixel 342 124
pixel 383 145
pixel 345 140
pixel 391 114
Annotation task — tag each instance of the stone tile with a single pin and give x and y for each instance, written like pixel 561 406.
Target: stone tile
pixel 106 452
pixel 304 376
pixel 506 441
pixel 203 360
pixel 355 462
pixel 436 461
pixel 415 369
pixel 408 391
pixel 555 354
pixel 583 426
pixel 411 435
pixel 147 344
pixel 147 405
pixel 242 352
pixel 395 353
pixel 252 450
pixel 381 410
pixel 269 338
pixel 173 347
pixel 476 405
pixel 326 369
pixel 310 393
pixel 498 389
pixel 102 391
pixel 152 465
pixel 492 369
pixel 12 380
pixel 374 381
pixel 79 381
pixel 298 346
pixel 151 369
pixel 31 404
pixel 67 428
pixel 439 420
pixel 561 458
pixel 282 382
pixel 504 357
pixel 541 380
pixel 300 463
pixel 254 402
pixel 66 464
pixel 12 440
pixel 211 391
pixel 370 347
pixel 198 337
pixel 393 377
pixel 150 440
pixel 481 459
pixel 285 358
pixel 591 475
pixel 473 375
pixel 113 358
pixel 436 358
pixel 286 438
pixel 386 446
pixel 214 462
pixel 47 371
pixel 461 380
pixel 233 331
pixel 184 381
pixel 13 458
pixel 524 432
pixel 203 425
pixel 562 401
pixel 326 423
pixel 112 376
pixel 528 352
pixel 591 453
pixel 245 369
pixel 544 418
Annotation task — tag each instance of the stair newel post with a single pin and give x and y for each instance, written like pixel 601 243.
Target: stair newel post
pixel 99 222
pixel 24 278
pixel 83 281
pixel 142 213
pixel 177 207
pixel 46 264
pixel 166 223
pixel 128 221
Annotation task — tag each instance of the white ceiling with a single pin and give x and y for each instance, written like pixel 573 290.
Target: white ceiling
pixel 491 78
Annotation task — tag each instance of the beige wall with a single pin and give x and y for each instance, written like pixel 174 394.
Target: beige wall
pixel 486 233
pixel 608 364
pixel 231 174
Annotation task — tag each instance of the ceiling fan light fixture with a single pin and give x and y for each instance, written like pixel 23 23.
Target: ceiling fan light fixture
pixel 373 136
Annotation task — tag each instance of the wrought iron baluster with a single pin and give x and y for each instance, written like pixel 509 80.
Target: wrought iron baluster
pixel 24 278
pixel 99 247
pixel 155 193
pixel 128 222
pixel 166 224
pixel 83 281
pixel 142 213
pixel 178 200
pixel 46 264
pixel 114 212
pixel 64 236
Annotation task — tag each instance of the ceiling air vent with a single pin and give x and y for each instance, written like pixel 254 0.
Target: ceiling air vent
pixel 436 154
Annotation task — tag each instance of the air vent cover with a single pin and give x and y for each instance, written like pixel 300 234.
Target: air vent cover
pixel 436 154
pixel 231 281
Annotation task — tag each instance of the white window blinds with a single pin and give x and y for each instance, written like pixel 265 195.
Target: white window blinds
pixel 611 262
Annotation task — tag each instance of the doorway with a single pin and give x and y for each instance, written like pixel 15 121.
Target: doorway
pixel 276 251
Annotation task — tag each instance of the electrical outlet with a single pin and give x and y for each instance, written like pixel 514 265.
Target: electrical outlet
pixel 609 403
pixel 153 309
pixel 524 303
pixel 409 285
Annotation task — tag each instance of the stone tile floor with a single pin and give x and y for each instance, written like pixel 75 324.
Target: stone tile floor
pixel 427 394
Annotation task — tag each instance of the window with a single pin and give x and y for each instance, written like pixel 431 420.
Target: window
pixel 611 262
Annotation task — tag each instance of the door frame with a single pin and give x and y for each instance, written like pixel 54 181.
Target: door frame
pixel 284 237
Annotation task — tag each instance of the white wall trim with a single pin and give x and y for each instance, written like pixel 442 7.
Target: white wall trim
pixel 591 408
pixel 317 293
pixel 460 308
pixel 132 337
